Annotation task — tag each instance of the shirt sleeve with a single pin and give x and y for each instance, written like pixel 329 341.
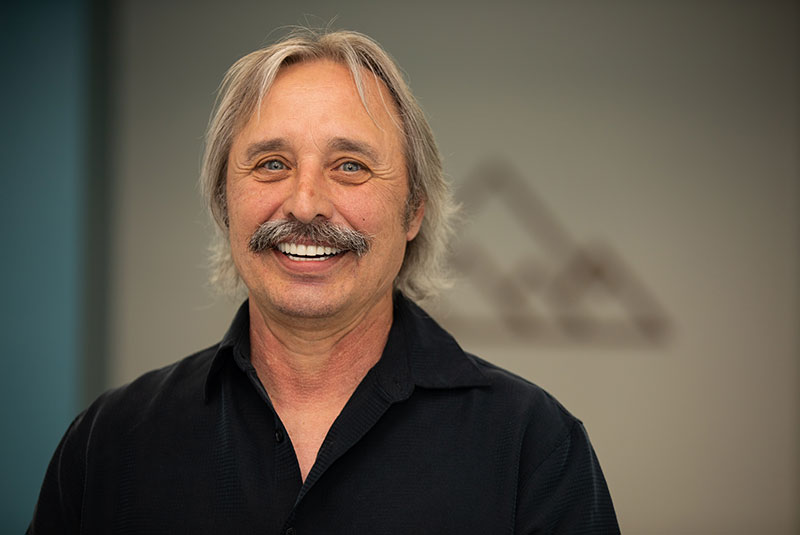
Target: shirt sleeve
pixel 567 492
pixel 58 509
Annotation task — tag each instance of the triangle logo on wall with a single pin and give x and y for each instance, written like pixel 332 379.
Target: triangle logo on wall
pixel 540 285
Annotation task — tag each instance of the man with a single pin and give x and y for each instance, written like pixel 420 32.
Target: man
pixel 333 404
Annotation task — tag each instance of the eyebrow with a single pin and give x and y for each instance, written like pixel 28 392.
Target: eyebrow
pixel 342 144
pixel 351 145
pixel 269 145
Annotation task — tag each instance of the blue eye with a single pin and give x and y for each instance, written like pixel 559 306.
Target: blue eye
pixel 351 167
pixel 273 165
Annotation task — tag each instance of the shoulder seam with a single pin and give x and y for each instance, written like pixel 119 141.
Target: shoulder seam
pixel 559 443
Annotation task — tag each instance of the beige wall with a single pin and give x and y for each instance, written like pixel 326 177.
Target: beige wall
pixel 666 132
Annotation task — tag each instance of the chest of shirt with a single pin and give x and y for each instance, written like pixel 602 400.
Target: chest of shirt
pixel 429 464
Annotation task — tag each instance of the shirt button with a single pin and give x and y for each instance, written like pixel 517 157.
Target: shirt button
pixel 279 439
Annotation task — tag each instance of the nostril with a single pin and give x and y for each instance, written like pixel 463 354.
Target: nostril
pixel 306 204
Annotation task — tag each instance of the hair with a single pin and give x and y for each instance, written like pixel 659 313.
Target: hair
pixel 423 273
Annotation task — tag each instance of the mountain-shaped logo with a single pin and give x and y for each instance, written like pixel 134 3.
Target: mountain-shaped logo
pixel 537 283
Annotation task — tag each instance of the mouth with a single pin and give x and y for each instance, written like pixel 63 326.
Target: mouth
pixel 308 253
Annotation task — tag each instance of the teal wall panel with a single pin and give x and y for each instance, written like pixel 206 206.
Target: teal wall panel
pixel 43 51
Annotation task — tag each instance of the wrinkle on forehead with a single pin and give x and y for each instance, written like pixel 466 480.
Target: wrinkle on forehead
pixel 379 87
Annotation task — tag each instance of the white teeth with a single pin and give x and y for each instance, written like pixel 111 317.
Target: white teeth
pixel 303 252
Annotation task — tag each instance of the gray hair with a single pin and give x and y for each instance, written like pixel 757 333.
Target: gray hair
pixel 423 273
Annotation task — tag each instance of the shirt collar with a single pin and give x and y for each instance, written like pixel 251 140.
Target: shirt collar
pixel 418 352
pixel 435 359
pixel 234 345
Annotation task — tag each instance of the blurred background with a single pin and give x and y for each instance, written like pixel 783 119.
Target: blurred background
pixel 630 169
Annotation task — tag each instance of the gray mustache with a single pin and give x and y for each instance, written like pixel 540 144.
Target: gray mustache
pixel 320 231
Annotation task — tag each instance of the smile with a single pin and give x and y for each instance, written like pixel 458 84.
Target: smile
pixel 307 253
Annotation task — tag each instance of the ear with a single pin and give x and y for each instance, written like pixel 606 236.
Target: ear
pixel 416 222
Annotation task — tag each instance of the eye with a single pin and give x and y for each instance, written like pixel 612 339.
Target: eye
pixel 351 167
pixel 273 165
pixel 350 172
pixel 271 169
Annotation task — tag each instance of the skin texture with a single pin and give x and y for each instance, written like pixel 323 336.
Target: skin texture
pixel 313 151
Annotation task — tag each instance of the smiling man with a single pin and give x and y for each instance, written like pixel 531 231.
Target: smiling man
pixel 333 404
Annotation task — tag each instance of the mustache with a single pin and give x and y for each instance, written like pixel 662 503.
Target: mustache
pixel 319 231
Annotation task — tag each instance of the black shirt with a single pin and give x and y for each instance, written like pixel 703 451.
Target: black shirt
pixel 433 440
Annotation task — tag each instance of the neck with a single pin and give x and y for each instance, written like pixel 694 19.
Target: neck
pixel 313 363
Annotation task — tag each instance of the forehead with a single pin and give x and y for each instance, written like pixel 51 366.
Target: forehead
pixel 323 93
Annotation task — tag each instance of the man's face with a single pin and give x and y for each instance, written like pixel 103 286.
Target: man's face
pixel 313 153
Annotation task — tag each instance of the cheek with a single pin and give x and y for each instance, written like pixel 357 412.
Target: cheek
pixel 377 210
pixel 244 217
pixel 248 207
pixel 237 220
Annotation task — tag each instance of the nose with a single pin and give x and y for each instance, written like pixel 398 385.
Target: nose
pixel 309 196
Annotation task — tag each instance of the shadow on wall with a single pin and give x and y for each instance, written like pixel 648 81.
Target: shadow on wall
pixel 548 289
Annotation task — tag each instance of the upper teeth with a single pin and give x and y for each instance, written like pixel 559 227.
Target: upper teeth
pixel 299 249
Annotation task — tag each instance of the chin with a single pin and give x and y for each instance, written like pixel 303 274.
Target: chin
pixel 309 306
pixel 306 311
